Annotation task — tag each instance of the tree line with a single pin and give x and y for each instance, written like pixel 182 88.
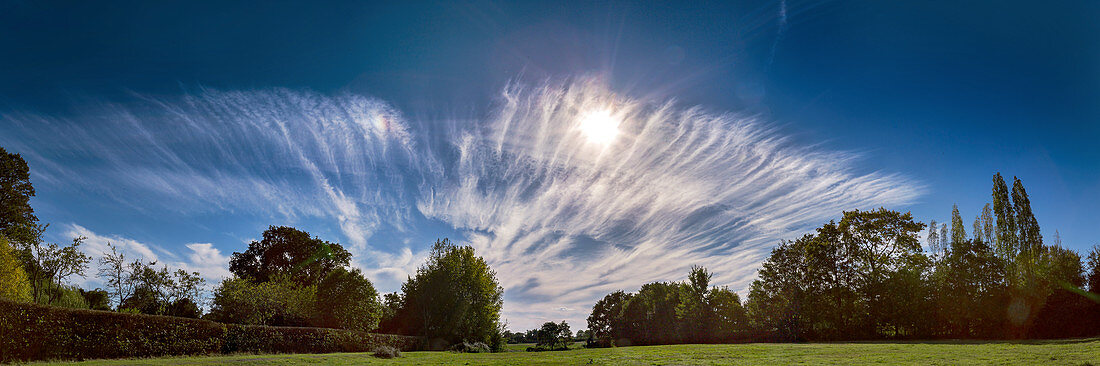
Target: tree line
pixel 288 278
pixel 868 277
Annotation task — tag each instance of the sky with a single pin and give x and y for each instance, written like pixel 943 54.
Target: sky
pixel 581 148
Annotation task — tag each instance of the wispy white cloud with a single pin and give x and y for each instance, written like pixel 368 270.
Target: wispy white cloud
pixel 562 220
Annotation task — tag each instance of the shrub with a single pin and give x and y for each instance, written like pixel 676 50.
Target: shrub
pixel 38 332
pixel 470 347
pixel 13 281
pixel 280 301
pixel 386 352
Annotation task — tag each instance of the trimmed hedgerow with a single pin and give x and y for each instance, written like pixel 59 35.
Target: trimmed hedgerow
pixel 36 332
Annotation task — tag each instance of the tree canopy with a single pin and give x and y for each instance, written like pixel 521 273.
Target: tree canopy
pixel 291 252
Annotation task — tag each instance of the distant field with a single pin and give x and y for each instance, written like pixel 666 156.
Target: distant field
pixel 1060 352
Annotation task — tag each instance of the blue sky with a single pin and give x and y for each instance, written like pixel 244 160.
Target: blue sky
pixel 183 129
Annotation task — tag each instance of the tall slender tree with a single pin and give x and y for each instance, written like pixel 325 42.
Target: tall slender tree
pixel 958 230
pixel 1006 246
pixel 988 225
pixel 1028 228
pixel 933 237
pixel 976 228
pixel 944 235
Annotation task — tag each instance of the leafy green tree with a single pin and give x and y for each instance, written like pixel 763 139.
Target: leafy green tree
pixel 17 220
pixel 730 319
pixel 958 230
pixel 696 316
pixel 391 308
pixel 945 236
pixel 606 321
pixel 971 286
pixel 554 336
pixel 1029 237
pixel 346 299
pixel 1006 243
pixel 289 251
pixel 880 240
pixel 97 299
pixel 279 301
pixel 909 308
pixel 1092 276
pixel 455 297
pixel 651 315
pixel 988 225
pixel 13 281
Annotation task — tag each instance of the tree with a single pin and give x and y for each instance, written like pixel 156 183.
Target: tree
pixel 13 281
pixel 971 290
pixel 989 226
pixel 730 319
pixel 944 237
pixel 117 273
pixel 391 307
pixel 554 336
pixel 50 265
pixel 977 228
pixel 606 321
pixel 97 299
pixel 455 296
pixel 880 238
pixel 933 237
pixel 1092 268
pixel 154 291
pixel 1006 245
pixel 346 299
pixel 651 316
pixel 289 251
pixel 695 314
pixel 17 220
pixel 958 231
pixel 279 301
pixel 1029 238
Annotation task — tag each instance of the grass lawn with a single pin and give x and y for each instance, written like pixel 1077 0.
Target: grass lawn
pixel 1061 352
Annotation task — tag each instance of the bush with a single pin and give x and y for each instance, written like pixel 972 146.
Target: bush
pixel 38 332
pixel 13 281
pixel 386 352
pixel 470 347
pixel 280 301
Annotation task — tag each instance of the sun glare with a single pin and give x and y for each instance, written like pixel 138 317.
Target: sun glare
pixel 599 126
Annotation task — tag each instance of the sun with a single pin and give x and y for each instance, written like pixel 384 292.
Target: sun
pixel 599 126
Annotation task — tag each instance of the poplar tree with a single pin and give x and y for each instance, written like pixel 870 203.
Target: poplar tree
pixel 977 228
pixel 1006 220
pixel 958 230
pixel 1028 228
pixel 988 225
pixel 933 237
pixel 943 237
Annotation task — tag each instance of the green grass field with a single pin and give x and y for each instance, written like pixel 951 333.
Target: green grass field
pixel 1060 352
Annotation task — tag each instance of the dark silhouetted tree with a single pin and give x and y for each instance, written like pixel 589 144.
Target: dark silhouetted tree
pixel 1006 244
pixel 17 220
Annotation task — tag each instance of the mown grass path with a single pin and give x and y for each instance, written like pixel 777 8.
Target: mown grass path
pixel 1058 352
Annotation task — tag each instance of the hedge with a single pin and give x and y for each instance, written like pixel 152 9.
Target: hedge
pixel 30 332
